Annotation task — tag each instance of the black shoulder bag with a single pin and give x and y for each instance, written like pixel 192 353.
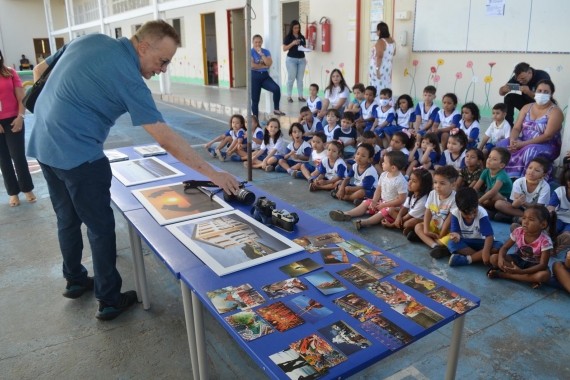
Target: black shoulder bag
pixel 32 95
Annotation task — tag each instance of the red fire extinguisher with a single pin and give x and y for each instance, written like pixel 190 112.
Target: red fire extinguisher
pixel 311 35
pixel 325 34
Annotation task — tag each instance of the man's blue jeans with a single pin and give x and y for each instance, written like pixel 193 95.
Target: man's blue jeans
pixel 82 195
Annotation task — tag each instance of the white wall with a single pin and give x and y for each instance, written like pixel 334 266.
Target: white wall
pixel 20 22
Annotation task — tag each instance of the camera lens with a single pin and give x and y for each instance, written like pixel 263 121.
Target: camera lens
pixel 246 196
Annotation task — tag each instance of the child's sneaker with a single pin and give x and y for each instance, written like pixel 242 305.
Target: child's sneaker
pixel 222 156
pixel 300 175
pixel 439 252
pixel 457 260
pixel 411 235
pixel 269 168
pixel 212 152
pixel 294 173
pixel 503 218
pixel 235 158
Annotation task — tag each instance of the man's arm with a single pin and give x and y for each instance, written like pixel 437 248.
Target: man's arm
pixel 39 70
pixel 174 144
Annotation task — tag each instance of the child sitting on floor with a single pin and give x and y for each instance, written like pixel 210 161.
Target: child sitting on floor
pixel 310 123
pixel 347 134
pixel 333 117
pixel 318 153
pixel 434 230
pixel 314 103
pixel 364 174
pixel 471 172
pixel 528 190
pixel 470 123
pixel 272 147
pixel 354 106
pixel 499 129
pixel 332 169
pixel 390 192
pixel 235 136
pixel 368 137
pixel 533 244
pixel 367 110
pixel 414 208
pixel 561 272
pixel 560 202
pixel 424 154
pixel 454 154
pixel 472 238
pixel 446 119
pixel 426 111
pixel 297 153
pixel 496 180
pixel 384 117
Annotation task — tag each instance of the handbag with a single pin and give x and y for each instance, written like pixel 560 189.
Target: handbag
pixel 32 95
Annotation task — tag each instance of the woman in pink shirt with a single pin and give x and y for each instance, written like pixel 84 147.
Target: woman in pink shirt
pixel 12 136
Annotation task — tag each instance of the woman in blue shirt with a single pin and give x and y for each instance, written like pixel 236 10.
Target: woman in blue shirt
pixel 260 63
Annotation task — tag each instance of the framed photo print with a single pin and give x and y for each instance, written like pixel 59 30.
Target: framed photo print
pixel 170 204
pixel 232 241
pixel 135 172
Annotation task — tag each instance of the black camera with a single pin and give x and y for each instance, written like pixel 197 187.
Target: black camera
pixel 243 195
pixel 265 207
pixel 284 219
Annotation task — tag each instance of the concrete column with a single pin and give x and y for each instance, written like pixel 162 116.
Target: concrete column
pixel 69 16
pixel 49 24
pixel 101 16
pixel 272 42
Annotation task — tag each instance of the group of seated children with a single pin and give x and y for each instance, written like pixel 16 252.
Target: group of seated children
pixel 410 184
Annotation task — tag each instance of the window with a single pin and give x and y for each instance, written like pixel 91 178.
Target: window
pixel 178 25
pixel 118 33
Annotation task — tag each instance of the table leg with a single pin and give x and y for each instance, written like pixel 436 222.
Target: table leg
pixel 454 348
pixel 200 336
pixel 190 329
pixel 135 268
pixel 138 263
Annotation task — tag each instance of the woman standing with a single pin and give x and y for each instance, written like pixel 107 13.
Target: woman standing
pixel 295 61
pixel 12 135
pixel 260 63
pixel 380 68
pixel 540 124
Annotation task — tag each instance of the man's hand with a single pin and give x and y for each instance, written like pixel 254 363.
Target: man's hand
pixel 525 90
pixel 225 181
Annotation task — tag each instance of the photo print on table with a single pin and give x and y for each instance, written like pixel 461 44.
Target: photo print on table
pixel 308 309
pixel 225 300
pixel 326 283
pixel 307 246
pixel 232 241
pixel 297 268
pixel 115 156
pixel 280 316
pixel 143 170
pixel 415 281
pixel 170 204
pixel 451 300
pixel 357 307
pixel 317 352
pixel 387 332
pixel 345 338
pixel 381 262
pixel 334 256
pixel 149 150
pixel 294 366
pixel 361 273
pixel 284 288
pixel 248 295
pixel 355 247
pixel 325 239
pixel 248 325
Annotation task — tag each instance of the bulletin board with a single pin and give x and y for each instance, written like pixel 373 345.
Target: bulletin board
pixel 526 26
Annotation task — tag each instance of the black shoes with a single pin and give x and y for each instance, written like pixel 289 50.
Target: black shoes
pixel 76 289
pixel 108 312
pixel 439 252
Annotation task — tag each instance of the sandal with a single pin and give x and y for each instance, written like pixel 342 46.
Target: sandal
pixel 357 224
pixel 290 100
pixel 301 99
pixel 536 285
pixel 30 196
pixel 279 113
pixel 493 273
pixel 14 201
pixel 339 216
pixel 312 187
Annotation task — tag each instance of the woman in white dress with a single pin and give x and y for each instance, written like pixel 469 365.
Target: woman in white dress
pixel 380 67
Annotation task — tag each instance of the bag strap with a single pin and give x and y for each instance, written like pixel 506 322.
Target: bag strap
pixel 57 56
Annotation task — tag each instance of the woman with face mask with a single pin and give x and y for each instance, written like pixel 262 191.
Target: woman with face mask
pixel 540 124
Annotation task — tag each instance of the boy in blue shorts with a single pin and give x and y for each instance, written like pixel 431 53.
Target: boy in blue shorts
pixel 472 238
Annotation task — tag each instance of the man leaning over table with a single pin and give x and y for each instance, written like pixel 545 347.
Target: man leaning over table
pixel 98 79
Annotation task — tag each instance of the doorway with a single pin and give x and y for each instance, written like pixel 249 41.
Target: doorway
pixel 237 53
pixel 42 49
pixel 210 53
pixel 290 12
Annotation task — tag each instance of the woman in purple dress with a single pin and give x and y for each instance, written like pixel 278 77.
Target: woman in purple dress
pixel 540 124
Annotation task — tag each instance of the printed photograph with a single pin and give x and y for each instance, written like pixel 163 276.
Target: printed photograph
pixel 308 309
pixel 115 156
pixel 420 314
pixel 389 293
pixel 248 295
pixel 284 288
pixel 451 300
pixel 442 295
pixel 334 256
pixel 149 150
pixel 232 241
pixel 317 352
pixel 355 247
pixel 170 204
pixel 356 277
pixel 135 172
pixel 325 239
pixel 387 332
pixel 294 366
pixel 297 268
pixel 357 307
pixel 280 316
pixel 415 281
pixel 345 338
pixel 225 300
pixel 326 283
pixel 248 325
pixel 307 246
pixel 380 261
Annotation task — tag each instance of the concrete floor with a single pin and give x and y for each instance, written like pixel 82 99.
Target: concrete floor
pixel 517 333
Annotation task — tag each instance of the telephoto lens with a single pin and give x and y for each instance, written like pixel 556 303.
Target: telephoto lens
pixel 246 196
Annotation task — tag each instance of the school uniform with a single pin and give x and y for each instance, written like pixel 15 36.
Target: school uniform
pixel 330 171
pixel 368 112
pixel 472 235
pixel 316 159
pixel 346 136
pixel 447 159
pixel 472 132
pixel 258 134
pixel 424 115
pixel 446 121
pixel 403 150
pixel 383 116
pixel 368 179
pixel 330 133
pixel 317 126
pixel 278 145
pixel 432 156
pixel 402 121
pixel 304 149
pixel 315 104
pixel 559 200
